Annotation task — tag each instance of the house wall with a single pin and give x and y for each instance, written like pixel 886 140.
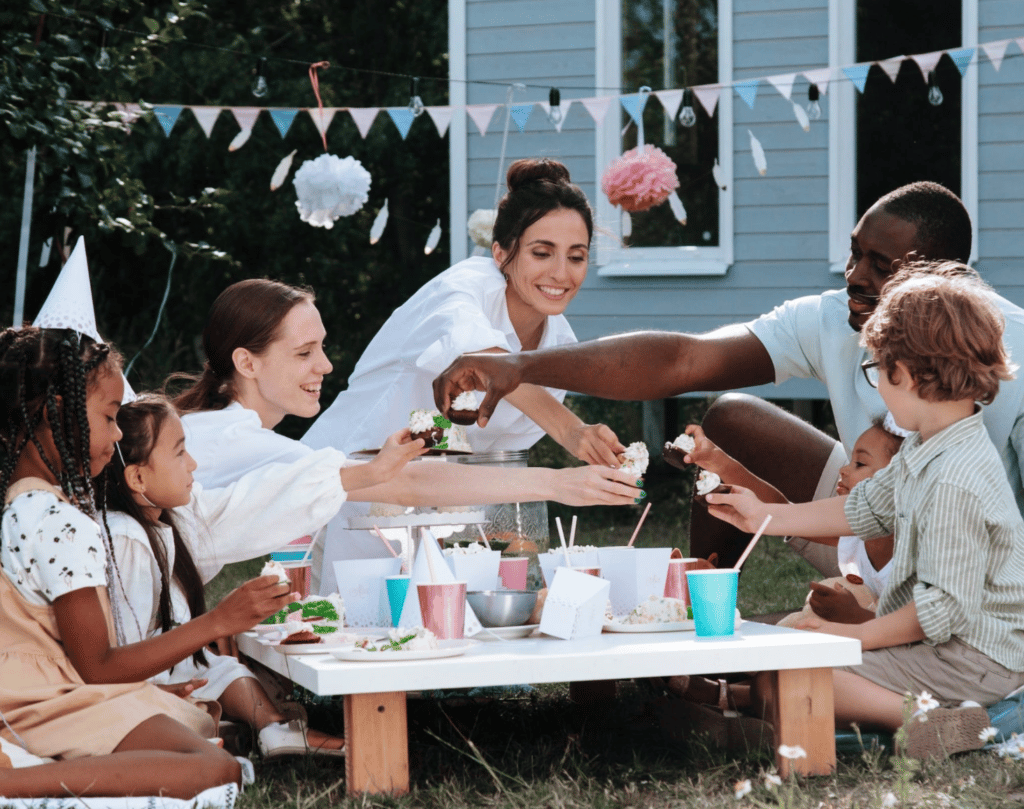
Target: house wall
pixel 781 240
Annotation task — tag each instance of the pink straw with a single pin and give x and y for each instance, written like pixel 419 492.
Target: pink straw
pixel 637 529
pixel 386 543
pixel 753 542
pixel 483 536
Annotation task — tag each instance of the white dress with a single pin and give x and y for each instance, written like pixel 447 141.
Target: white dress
pixel 461 310
pixel 853 558
pixel 255 515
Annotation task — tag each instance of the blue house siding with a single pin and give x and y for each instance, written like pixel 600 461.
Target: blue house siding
pixel 781 220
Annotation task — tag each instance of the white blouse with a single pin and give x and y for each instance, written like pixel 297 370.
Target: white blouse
pixel 461 310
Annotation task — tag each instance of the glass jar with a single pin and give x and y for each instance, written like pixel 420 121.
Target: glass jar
pixel 523 525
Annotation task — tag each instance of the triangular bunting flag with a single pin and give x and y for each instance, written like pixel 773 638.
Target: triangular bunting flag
pixel 283 119
pixel 403 118
pixel 858 74
pixel 670 100
pixel 597 107
pixel 961 58
pixel 634 104
pixel 322 118
pixel 563 106
pixel 707 95
pixel 747 90
pixel 129 112
pixel 363 117
pixel 442 117
pixel 520 114
pixel 995 51
pixel 927 62
pixel 891 66
pixel 481 115
pixel 246 116
pixel 784 84
pixel 206 117
pixel 1020 42
pixel 820 77
pixel 167 116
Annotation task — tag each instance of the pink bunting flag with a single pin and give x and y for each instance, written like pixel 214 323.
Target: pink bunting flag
pixel 322 118
pixel 707 95
pixel 206 117
pixel 246 117
pixel 563 106
pixel 820 77
pixel 597 107
pixel 442 117
pixel 927 62
pixel 481 115
pixel 670 100
pixel 995 51
pixel 363 117
pixel 784 84
pixel 891 66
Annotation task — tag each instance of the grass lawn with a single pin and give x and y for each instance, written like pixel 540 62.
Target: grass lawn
pixel 544 751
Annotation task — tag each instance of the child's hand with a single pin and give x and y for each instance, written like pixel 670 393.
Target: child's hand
pixel 184 690
pixel 397 451
pixel 739 507
pixel 250 603
pixel 837 604
pixel 813 623
pixel 594 444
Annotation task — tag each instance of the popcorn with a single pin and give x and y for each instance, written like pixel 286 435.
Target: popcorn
pixel 467 550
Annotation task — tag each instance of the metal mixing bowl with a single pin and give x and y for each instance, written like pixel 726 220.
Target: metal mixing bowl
pixel 502 607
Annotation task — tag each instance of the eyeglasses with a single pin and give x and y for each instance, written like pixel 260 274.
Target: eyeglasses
pixel 870 369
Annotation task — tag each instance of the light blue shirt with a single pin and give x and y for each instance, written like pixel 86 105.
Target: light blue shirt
pixel 812 338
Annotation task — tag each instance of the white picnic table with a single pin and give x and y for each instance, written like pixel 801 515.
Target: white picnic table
pixel 376 729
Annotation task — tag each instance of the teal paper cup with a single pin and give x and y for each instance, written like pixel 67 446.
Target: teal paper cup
pixel 398 588
pixel 713 599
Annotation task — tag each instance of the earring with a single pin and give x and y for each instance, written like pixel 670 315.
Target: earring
pixel 505 276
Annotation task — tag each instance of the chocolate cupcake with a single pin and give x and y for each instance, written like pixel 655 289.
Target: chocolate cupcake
pixel 708 483
pixel 430 426
pixel 675 451
pixel 465 410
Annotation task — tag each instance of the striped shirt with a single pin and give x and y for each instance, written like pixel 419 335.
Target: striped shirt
pixel 959 548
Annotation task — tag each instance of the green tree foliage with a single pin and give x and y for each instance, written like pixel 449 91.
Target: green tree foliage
pixel 137 195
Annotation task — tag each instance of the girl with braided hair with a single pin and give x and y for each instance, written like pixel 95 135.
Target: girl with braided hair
pixel 67 690
pixel 165 530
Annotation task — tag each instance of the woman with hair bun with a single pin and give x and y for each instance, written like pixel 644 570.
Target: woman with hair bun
pixel 512 300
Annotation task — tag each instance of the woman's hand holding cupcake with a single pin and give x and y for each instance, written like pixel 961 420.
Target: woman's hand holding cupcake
pixel 594 444
pixel 398 450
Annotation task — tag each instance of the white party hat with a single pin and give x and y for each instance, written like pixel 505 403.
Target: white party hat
pixel 69 304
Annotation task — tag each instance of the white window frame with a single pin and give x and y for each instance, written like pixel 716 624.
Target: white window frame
pixel 842 145
pixel 613 260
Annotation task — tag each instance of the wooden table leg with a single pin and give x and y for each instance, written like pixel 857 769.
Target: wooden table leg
pixel 804 715
pixel 377 741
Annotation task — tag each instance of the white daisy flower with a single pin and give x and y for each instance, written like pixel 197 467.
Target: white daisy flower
pixel 742 788
pixel 772 780
pixel 889 800
pixel 988 734
pixel 925 702
pixel 794 752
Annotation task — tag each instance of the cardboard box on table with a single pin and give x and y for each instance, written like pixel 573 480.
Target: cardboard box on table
pixel 478 570
pixel 635 574
pixel 575 605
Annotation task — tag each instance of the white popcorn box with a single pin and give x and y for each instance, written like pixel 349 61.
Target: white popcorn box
pixel 635 574
pixel 478 570
pixel 549 562
pixel 575 605
pixel 361 584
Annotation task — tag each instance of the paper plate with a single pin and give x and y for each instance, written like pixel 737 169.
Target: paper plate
pixel 669 626
pixel 446 648
pixel 505 633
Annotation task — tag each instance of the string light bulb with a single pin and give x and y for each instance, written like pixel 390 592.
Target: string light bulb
pixel 934 93
pixel 687 116
pixel 103 60
pixel 813 106
pixel 259 85
pixel 415 102
pixel 555 106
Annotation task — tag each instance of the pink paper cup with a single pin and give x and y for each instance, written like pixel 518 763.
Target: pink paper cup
pixel 443 605
pixel 512 572
pixel 590 571
pixel 675 581
pixel 300 579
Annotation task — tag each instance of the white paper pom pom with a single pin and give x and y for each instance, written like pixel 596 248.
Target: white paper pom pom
pixel 481 226
pixel 329 187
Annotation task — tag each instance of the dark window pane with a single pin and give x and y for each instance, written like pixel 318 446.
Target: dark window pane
pixel 690 59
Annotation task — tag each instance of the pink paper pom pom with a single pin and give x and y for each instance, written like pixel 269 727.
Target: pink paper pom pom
pixel 638 183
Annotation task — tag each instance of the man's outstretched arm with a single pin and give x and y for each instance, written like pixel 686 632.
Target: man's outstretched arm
pixel 637 367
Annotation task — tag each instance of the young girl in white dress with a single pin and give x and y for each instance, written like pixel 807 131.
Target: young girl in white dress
pixel 67 690
pixel 168 534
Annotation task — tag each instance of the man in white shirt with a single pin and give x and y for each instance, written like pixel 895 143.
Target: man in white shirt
pixel 815 336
